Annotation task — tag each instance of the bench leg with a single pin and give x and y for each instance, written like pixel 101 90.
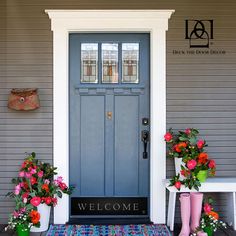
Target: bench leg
pixel 171 210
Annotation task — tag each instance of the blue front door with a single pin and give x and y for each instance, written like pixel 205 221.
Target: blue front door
pixel 109 124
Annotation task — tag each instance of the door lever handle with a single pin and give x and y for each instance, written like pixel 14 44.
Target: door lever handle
pixel 145 139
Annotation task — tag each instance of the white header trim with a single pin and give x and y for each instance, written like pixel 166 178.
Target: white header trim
pixel 154 22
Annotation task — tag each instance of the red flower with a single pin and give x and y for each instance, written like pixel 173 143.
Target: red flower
pixel 191 164
pixel 45 187
pixel 202 158
pixel 168 137
pixel 33 180
pixel 35 201
pixel 188 131
pixel 62 186
pixel 212 164
pixel 54 201
pixel 178 185
pixel 185 173
pixel 35 217
pixel 200 143
pixel 25 195
pixel 47 200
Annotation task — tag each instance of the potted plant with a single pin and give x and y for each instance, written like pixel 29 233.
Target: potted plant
pixel 195 164
pixel 209 222
pixel 23 218
pixel 37 188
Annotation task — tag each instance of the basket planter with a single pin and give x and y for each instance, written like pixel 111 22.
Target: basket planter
pixel 178 163
pixel 44 211
pixel 22 230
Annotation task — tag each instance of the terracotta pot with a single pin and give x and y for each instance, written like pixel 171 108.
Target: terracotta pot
pixel 22 230
pixel 202 175
pixel 44 211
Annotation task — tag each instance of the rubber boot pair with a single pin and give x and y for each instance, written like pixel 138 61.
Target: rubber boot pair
pixel 191 206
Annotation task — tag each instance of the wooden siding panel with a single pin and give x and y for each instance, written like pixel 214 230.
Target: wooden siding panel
pixel 201 89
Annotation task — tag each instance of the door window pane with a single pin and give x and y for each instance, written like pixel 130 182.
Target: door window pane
pixel 130 62
pixel 89 63
pixel 110 63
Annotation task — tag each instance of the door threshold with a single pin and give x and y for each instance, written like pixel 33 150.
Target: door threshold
pixel 109 221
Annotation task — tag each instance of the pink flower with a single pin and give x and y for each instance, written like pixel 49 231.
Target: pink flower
pixel 168 137
pixel 191 164
pixel 21 174
pixel 28 175
pixel 188 131
pixel 17 192
pixel 32 171
pixel 207 208
pixel 15 213
pixel 40 174
pixel 200 143
pixel 59 179
pixel 212 164
pixel 35 201
pixel 47 181
pixel 17 189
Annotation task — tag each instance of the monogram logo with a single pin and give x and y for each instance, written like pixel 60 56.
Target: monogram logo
pixel 199 33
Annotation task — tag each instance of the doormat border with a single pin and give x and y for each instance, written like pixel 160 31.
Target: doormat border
pixel 109 230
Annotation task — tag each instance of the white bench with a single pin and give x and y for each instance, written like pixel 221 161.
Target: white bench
pixel 218 185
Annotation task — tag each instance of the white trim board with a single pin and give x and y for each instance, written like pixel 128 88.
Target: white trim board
pixel 154 22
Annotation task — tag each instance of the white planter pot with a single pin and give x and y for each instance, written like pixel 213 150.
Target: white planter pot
pixel 178 163
pixel 44 211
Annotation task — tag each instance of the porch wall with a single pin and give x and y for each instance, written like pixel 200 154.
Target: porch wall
pixel 201 89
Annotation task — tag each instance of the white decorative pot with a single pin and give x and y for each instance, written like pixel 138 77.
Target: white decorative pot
pixel 44 211
pixel 178 163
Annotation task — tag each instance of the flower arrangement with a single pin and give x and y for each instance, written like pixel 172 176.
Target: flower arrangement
pixel 209 219
pixel 186 145
pixel 34 185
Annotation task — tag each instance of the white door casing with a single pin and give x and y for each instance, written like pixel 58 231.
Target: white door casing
pixel 154 22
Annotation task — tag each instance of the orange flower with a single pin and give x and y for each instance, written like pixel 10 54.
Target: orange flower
pixel 180 146
pixel 202 158
pixel 35 216
pixel 45 187
pixel 214 215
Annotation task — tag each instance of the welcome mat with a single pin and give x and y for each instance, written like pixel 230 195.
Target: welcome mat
pixel 109 230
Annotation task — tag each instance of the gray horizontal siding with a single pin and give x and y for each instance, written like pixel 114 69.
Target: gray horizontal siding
pixel 201 89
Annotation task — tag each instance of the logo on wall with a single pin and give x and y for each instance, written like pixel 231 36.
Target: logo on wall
pixel 199 33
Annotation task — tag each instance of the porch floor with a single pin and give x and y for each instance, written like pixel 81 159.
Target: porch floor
pixel 227 232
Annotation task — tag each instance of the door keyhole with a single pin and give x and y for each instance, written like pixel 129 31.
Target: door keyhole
pixel 109 115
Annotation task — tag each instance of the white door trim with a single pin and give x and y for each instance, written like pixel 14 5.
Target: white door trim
pixel 154 22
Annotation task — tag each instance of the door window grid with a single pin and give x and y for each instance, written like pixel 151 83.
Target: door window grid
pixel 130 62
pixel 109 62
pixel 89 63
pixel 111 55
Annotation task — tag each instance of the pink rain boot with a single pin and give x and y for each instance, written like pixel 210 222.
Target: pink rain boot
pixel 196 209
pixel 185 213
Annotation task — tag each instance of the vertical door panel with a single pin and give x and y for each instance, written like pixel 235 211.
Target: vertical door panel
pixel 126 145
pixel 92 145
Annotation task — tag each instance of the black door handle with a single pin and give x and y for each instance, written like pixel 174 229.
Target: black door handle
pixel 145 139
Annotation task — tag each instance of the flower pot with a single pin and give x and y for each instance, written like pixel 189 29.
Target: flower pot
pixel 44 211
pixel 208 230
pixel 202 175
pixel 178 163
pixel 22 230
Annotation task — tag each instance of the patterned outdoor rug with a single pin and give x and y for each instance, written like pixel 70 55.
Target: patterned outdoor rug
pixel 109 230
